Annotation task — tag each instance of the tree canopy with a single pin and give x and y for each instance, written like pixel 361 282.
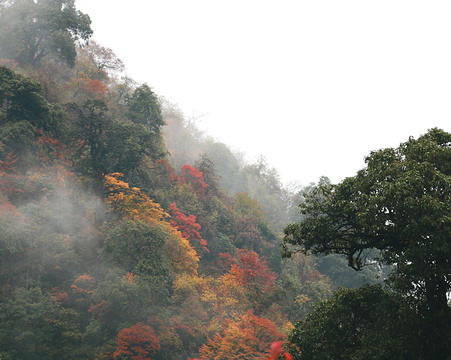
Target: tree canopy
pixel 400 204
pixel 364 323
pixel 31 31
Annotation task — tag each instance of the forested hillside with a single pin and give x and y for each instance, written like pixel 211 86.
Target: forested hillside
pixel 127 233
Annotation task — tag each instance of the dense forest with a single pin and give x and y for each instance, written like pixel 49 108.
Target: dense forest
pixel 128 233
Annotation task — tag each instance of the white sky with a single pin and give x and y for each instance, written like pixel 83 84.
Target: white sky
pixel 313 85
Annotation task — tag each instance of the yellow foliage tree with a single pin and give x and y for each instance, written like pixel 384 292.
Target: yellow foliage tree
pixel 130 203
pixel 184 258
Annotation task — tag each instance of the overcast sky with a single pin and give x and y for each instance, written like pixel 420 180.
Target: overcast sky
pixel 313 86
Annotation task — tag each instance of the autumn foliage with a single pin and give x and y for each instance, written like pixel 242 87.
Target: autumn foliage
pixel 137 342
pixel 130 202
pixel 276 351
pixel 107 249
pixel 188 226
pixel 251 269
pixel 194 177
pixel 248 337
pixel 126 233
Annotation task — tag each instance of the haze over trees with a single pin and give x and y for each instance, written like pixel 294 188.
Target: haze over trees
pixel 127 233
pixel 34 31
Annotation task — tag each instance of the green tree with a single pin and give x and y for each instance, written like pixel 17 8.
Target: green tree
pixel 34 326
pixel 302 286
pixel 15 239
pixel 252 231
pixel 144 108
pixel 24 112
pixel 120 301
pixel 89 131
pixel 232 178
pixel 103 144
pixel 138 248
pixel 126 146
pixel 357 324
pixel 400 204
pixel 266 187
pixel 31 31
pixel 21 99
pixel 334 266
pixel 26 118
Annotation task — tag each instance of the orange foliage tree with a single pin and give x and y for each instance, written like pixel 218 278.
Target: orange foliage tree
pixel 249 337
pixel 137 342
pixel 245 285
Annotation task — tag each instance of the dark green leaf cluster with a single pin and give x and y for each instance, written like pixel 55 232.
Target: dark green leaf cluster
pixel 34 326
pixel 399 204
pixel 137 247
pixel 21 100
pixel 24 114
pixel 358 324
pixel 112 145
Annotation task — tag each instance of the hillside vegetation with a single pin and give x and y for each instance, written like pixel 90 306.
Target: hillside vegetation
pixel 127 233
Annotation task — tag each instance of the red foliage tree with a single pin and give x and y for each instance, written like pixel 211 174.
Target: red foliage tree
pixel 188 226
pixel 137 342
pixel 194 177
pixel 226 261
pixel 50 149
pixel 252 270
pixel 276 351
